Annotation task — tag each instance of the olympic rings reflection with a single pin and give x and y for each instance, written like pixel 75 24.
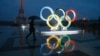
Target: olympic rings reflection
pixel 73 46
pixel 48 42
pixel 41 50
pixel 67 42
pixel 64 46
pixel 57 18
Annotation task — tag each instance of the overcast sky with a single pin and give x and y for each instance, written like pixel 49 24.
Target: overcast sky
pixel 84 8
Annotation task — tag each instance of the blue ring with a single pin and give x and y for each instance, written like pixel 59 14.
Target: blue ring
pixel 42 45
pixel 46 7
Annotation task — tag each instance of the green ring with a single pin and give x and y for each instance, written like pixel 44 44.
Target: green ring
pixel 69 22
pixel 67 37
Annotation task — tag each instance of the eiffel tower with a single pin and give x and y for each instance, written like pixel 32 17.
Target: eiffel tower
pixel 21 18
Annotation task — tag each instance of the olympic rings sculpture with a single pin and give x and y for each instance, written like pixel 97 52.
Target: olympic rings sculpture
pixel 59 43
pixel 59 20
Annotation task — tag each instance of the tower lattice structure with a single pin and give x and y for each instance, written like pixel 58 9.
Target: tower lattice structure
pixel 21 18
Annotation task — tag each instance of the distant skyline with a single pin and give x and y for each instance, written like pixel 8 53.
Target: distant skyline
pixel 84 8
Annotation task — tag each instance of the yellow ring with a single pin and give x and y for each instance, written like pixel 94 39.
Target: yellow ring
pixel 56 17
pixel 48 42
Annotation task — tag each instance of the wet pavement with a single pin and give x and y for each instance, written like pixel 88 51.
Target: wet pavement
pixel 14 44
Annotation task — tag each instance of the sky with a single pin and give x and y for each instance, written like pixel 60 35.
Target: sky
pixel 84 8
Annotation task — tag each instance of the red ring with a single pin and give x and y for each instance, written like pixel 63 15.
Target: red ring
pixel 74 13
pixel 73 47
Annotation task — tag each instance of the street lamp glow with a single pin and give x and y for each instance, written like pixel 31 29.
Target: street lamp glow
pixel 23 27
